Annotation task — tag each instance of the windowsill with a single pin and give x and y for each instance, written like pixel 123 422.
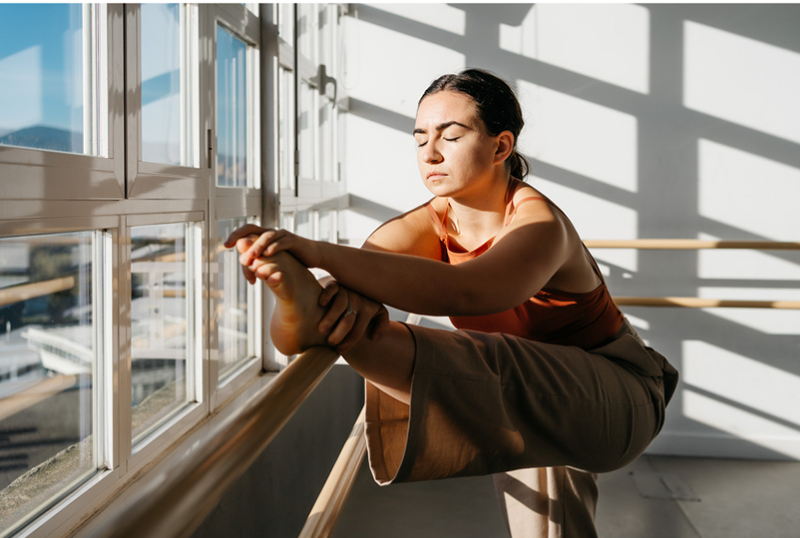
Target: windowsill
pixel 78 512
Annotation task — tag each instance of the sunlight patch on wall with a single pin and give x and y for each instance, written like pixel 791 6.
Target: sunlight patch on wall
pixel 442 16
pixel 741 424
pixel 608 42
pixel 742 80
pixel 381 165
pixel 740 379
pixel 748 264
pixel 377 64
pixel 748 192
pixel 764 320
pixel 589 139
pixel 595 218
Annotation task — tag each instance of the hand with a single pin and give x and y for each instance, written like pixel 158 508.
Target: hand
pixel 350 315
pixel 242 239
pixel 270 242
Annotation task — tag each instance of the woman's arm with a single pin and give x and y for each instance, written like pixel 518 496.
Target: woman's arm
pixel 524 257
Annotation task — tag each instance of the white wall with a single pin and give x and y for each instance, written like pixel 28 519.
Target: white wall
pixel 662 121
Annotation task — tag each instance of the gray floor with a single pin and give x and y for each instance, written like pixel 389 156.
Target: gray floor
pixel 655 497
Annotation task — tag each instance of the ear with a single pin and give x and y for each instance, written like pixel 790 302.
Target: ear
pixel 505 146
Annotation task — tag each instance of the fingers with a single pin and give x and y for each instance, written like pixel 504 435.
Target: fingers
pixel 379 324
pixel 329 291
pixel 337 308
pixel 362 322
pixel 348 327
pixel 249 275
pixel 244 231
pixel 268 243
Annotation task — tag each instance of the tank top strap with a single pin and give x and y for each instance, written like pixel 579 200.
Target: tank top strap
pixel 511 208
pixel 438 222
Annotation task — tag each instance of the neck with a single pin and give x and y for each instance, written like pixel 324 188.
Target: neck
pixel 482 213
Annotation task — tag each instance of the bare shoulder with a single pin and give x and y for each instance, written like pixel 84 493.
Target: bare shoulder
pixel 413 232
pixel 576 273
pixel 532 205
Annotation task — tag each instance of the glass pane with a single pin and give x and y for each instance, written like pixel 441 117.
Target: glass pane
pixel 232 143
pixel 304 225
pixel 51 97
pixel 47 366
pixel 287 220
pixel 326 225
pixel 306 31
pixel 160 324
pixel 327 21
pixel 169 85
pixel 234 340
pixel 286 22
pixel 285 128
pixel 305 130
pixel 326 126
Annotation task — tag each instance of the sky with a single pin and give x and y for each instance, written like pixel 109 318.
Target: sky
pixel 40 66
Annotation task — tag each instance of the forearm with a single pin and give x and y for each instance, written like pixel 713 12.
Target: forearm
pixel 406 282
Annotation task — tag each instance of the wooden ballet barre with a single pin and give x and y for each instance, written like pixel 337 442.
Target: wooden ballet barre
pixel 331 500
pixel 697 302
pixel 690 244
pixel 176 502
pixel 23 292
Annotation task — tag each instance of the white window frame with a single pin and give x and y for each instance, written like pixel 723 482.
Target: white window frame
pixel 158 180
pixel 50 192
pixel 196 350
pixel 313 193
pixel 27 173
pixel 104 408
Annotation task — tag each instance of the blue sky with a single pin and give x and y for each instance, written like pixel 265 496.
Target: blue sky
pixel 38 78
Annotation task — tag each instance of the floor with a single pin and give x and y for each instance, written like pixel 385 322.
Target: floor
pixel 655 497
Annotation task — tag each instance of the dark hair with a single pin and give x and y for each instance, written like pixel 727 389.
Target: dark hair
pixel 497 107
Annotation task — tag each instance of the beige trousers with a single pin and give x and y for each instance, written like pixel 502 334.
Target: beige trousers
pixel 493 403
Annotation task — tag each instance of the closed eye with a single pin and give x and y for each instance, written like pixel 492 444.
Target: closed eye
pixel 452 139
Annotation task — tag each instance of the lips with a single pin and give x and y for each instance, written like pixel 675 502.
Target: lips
pixel 435 175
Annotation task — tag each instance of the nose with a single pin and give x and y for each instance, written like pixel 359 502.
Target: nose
pixel 430 153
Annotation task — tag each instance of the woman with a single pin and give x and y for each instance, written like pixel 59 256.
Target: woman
pixel 546 385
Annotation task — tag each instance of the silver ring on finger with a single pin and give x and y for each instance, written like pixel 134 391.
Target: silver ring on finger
pixel 349 310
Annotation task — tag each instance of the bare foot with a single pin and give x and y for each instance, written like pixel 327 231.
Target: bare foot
pixel 297 312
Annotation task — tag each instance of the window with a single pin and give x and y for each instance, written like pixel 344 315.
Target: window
pixel 170 85
pixel 51 359
pixel 234 312
pixel 130 147
pixel 53 74
pixel 310 105
pixel 163 317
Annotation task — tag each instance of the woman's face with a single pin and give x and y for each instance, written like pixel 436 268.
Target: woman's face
pixel 455 154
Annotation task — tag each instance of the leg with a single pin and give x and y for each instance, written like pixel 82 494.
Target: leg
pixel 386 362
pixel 489 403
pixel 548 502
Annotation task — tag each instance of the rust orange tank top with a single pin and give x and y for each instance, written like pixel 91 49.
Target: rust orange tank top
pixel 586 320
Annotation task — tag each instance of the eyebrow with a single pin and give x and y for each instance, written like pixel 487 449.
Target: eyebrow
pixel 442 127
